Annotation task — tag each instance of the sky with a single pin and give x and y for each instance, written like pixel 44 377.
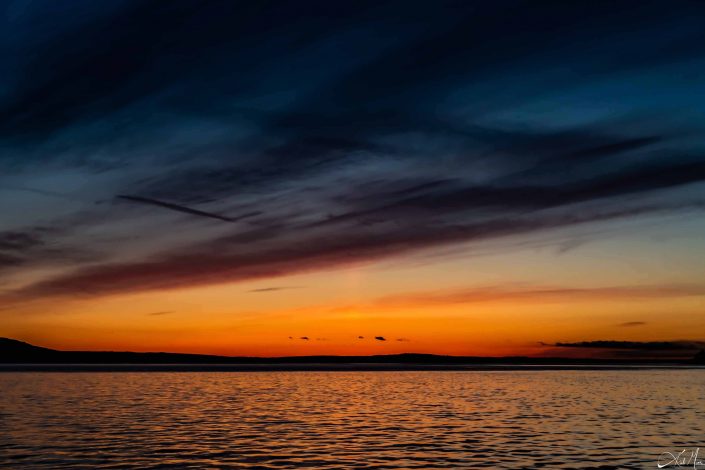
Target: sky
pixel 294 178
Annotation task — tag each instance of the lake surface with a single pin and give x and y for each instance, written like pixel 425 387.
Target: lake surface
pixel 268 420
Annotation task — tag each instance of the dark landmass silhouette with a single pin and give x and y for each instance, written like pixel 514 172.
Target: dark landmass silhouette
pixel 699 358
pixel 18 355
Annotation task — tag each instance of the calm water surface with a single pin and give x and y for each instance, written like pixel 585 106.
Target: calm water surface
pixel 268 420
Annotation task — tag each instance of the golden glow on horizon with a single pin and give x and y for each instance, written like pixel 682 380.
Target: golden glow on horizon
pixel 211 322
pixel 460 306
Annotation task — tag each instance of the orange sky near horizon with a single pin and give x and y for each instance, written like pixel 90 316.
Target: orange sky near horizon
pixel 506 302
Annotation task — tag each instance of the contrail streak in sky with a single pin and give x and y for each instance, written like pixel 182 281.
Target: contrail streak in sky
pixel 178 208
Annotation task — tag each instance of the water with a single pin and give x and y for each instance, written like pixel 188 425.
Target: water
pixel 268 420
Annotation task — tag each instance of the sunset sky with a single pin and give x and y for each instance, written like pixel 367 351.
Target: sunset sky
pixel 471 178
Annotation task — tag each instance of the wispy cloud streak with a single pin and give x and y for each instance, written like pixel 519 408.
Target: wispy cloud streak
pixel 174 207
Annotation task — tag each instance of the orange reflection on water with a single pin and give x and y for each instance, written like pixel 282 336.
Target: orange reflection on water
pixel 554 419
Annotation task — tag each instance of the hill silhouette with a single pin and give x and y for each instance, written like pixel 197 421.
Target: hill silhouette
pixel 700 357
pixel 14 352
pixel 13 346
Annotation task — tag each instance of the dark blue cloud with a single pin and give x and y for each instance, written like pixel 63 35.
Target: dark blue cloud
pixel 332 131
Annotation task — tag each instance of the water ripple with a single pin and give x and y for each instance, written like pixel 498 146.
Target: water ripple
pixel 367 420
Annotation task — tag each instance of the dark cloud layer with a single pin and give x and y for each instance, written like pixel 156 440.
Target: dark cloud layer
pixel 332 132
pixel 649 345
pixel 636 349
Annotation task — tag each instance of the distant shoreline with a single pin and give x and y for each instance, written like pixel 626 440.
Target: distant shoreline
pixel 20 356
pixel 341 367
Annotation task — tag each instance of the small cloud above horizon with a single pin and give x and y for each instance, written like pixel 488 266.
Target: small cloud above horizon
pixel 156 314
pixel 272 289
pixel 380 338
pixel 632 323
